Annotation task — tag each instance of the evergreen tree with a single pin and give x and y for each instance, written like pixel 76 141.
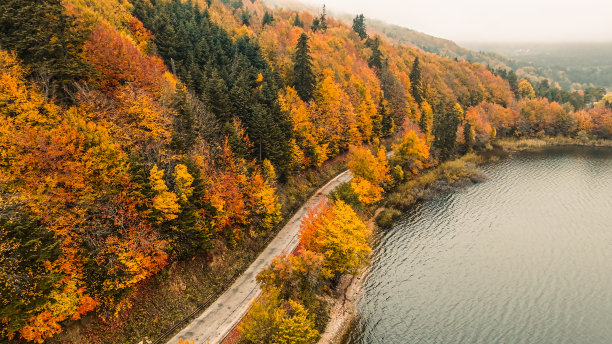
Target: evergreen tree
pixel 359 26
pixel 47 39
pixel 28 249
pixel 190 232
pixel 304 80
pixel 513 82
pixel 320 23
pixel 376 59
pixel 297 21
pixel 268 18
pixel 445 131
pixel 184 133
pixel 323 20
pixel 387 122
pixel 416 82
pixel 245 17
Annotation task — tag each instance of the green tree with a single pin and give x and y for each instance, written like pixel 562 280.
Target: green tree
pixel 513 82
pixel 417 87
pixel 297 21
pixel 184 133
pixel 27 254
pixel 387 123
pixel 268 18
pixel 47 39
pixel 376 58
pixel 359 26
pixel 320 22
pixel 445 131
pixel 304 80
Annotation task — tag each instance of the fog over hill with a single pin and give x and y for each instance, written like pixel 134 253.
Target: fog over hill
pixel 567 65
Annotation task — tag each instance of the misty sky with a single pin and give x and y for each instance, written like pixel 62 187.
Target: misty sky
pixel 491 20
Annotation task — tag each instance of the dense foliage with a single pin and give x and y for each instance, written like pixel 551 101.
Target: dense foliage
pixel 134 134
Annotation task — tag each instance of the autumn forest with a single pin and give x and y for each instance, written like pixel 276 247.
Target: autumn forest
pixel 140 134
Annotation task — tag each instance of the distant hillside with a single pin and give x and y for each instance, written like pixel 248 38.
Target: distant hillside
pixel 564 65
pixel 570 64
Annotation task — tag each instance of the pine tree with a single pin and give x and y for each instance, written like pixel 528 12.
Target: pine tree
pixel 297 21
pixel 323 20
pixel 320 23
pixel 26 280
pixel 359 26
pixel 513 82
pixel 184 133
pixel 388 125
pixel 47 39
pixel 445 131
pixel 417 87
pixel 303 77
pixel 268 18
pixel 376 59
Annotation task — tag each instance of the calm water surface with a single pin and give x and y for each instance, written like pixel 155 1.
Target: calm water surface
pixel 525 257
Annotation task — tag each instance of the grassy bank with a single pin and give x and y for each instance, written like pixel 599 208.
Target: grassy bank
pixel 519 144
pixel 428 184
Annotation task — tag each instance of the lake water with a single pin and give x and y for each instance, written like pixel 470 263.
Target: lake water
pixel 525 257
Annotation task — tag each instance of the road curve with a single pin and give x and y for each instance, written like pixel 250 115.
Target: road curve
pixel 216 322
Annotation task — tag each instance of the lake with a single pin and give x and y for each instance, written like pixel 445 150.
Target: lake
pixel 524 257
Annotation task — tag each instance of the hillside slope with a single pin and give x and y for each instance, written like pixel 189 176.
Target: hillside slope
pixel 150 148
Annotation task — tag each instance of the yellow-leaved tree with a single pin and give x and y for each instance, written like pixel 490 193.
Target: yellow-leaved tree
pixel 273 320
pixel 370 173
pixel 336 231
pixel 165 202
pixel 410 152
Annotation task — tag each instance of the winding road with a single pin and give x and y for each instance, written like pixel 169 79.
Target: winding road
pixel 218 320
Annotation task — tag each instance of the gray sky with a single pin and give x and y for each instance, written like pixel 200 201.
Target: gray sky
pixel 491 20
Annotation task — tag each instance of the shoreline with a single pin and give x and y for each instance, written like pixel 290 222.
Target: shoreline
pixel 343 308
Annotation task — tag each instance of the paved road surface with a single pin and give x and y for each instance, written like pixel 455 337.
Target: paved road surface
pixel 223 315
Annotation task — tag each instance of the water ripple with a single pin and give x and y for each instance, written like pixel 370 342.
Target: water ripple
pixel 525 257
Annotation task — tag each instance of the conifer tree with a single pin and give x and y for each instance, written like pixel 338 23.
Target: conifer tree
pixel 513 82
pixel 27 282
pixel 320 22
pixel 445 131
pixel 417 87
pixel 323 20
pixel 388 125
pixel 376 59
pixel 268 18
pixel 184 133
pixel 303 77
pixel 297 21
pixel 359 26
pixel 47 39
